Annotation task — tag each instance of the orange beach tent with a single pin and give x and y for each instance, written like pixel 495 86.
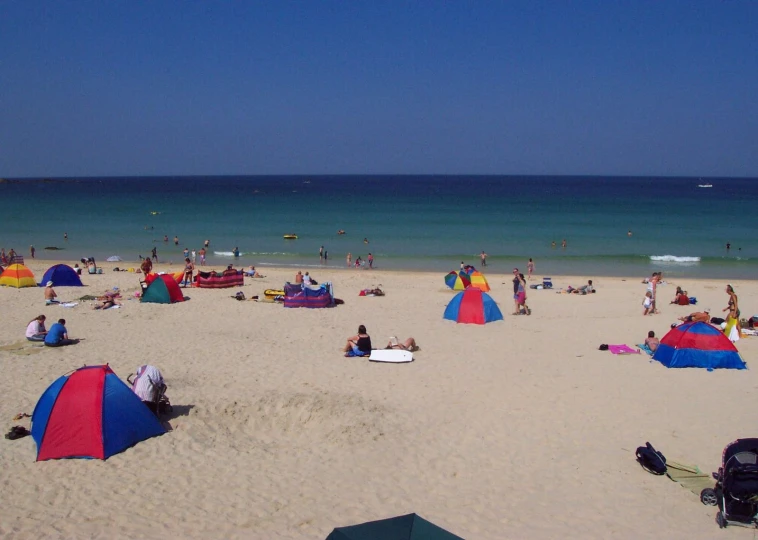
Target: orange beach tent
pixel 479 281
pixel 18 275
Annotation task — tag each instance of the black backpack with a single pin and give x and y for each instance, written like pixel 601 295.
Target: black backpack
pixel 651 459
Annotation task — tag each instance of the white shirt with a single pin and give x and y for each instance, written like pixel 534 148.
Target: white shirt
pixel 33 328
pixel 648 302
pixel 147 382
pixel 307 279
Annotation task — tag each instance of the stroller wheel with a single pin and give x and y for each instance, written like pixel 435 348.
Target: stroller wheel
pixel 721 520
pixel 708 497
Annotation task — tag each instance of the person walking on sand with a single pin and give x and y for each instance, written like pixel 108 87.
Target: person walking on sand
pixel 321 254
pixel 189 268
pixel 530 268
pixel 155 254
pixel 370 260
pixel 31 251
pixel 349 259
pixel 483 258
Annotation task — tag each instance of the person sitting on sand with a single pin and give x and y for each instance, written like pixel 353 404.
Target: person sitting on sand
pixel 50 295
pixel 298 277
pixel 57 336
pixel 678 297
pixel 585 289
pixel 35 330
pixel 651 341
pixel 698 316
pixel 407 345
pixel 359 344
pixel 252 272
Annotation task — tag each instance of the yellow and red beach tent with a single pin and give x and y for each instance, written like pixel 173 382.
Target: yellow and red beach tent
pixel 479 281
pixel 17 275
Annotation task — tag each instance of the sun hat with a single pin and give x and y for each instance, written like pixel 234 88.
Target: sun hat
pixel 49 284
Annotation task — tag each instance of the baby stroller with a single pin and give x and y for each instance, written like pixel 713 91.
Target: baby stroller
pixel 736 491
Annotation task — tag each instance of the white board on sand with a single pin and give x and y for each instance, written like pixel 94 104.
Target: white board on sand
pixel 391 355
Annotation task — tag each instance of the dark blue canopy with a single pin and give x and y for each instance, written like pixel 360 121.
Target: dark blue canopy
pixel 410 527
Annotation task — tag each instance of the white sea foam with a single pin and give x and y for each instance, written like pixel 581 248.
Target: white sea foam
pixel 226 253
pixel 674 259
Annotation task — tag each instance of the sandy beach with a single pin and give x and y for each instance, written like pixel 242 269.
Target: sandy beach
pixel 515 429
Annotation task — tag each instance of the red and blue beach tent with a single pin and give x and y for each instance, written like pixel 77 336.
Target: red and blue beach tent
pixel 90 413
pixel 698 344
pixel 472 306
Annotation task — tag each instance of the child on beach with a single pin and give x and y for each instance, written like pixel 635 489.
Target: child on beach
pixel 647 303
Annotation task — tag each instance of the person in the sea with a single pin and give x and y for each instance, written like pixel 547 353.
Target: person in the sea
pixel 407 345
pixel 563 244
pixel 321 254
pixel 32 251
pixel 35 330
pixel 50 295
pixel 176 240
pixel 483 258
pixel 236 251
pixel 651 341
pixel 359 344
pixel 207 244
pixel 189 268
pixel 370 260
pixel 365 240
pixel 57 336
pixel 155 254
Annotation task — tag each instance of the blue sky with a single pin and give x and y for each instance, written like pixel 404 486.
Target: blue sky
pixel 424 87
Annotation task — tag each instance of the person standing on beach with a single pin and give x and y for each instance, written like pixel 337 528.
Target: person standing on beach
pixel 370 260
pixel 202 257
pixel 185 253
pixel 516 285
pixel 321 254
pixel 31 251
pixel 155 254
pixel 189 268
pixel 530 267
pixel 483 258
pixel 194 256
pixel 349 259
pixel 4 259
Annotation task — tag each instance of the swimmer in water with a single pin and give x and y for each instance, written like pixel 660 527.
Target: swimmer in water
pixel 365 240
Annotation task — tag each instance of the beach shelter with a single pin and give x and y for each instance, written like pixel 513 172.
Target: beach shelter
pixel 17 275
pixel 457 280
pixel 469 269
pixel 479 281
pixel 162 289
pixel 408 527
pixel 90 413
pixel 62 275
pixel 472 306
pixel 698 344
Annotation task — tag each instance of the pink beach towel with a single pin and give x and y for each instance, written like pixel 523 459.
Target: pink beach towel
pixel 622 349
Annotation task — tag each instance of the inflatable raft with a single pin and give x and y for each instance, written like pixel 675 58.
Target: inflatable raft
pixel 290 237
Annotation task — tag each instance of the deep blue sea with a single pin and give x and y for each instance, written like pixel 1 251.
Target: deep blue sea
pixel 410 222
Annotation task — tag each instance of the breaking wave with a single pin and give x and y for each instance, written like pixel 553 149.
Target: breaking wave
pixel 674 259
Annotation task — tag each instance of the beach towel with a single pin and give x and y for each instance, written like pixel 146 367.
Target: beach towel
pixel 644 348
pixel 622 349
pixel 689 476
pixel 68 304
pixel 732 329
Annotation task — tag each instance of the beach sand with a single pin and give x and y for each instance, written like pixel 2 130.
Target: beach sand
pixel 515 429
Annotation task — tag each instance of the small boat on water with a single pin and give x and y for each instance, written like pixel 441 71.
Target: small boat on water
pixel 290 236
pixel 705 185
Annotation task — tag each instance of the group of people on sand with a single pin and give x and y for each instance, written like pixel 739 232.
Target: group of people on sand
pixel 360 344
pixel 57 336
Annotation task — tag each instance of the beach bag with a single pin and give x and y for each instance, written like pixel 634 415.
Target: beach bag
pixel 603 347
pixel 651 459
pixel 693 300
pixel 240 296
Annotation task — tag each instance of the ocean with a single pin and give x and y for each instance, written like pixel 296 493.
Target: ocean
pixel 406 222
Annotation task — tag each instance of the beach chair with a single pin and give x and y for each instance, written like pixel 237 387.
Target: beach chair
pixel 547 283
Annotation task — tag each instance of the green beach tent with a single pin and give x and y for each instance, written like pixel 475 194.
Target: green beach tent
pixel 163 290
pixel 410 527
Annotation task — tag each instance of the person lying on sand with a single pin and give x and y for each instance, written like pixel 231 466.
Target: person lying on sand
pixel 698 316
pixel 252 272
pixel 407 345
pixel 108 302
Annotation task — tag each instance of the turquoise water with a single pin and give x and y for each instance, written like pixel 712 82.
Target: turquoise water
pixel 427 222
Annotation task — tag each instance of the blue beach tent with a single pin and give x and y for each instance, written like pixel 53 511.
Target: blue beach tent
pixel 698 344
pixel 62 275
pixel 90 413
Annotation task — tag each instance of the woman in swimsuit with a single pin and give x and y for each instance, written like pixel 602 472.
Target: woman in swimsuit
pixel 188 269
pixel 359 344
pixel 733 306
pixel 407 345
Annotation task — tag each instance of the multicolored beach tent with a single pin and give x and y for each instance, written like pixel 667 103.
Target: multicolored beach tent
pixel 457 281
pixel 62 275
pixel 698 344
pixel 472 306
pixel 479 281
pixel 161 289
pixel 17 275
pixel 90 413
pixel 408 527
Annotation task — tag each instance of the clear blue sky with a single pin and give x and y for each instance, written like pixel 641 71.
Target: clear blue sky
pixel 421 87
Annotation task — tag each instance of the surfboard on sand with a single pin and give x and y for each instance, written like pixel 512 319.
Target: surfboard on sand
pixel 391 355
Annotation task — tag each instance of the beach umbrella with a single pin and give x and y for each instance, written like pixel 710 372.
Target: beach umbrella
pixel 698 344
pixel 90 413
pixel 457 280
pixel 408 527
pixel 17 275
pixel 479 281
pixel 472 306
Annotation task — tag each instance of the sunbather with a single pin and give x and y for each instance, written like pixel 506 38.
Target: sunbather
pixel 651 341
pixel 407 345
pixel 50 295
pixel 698 316
pixel 108 302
